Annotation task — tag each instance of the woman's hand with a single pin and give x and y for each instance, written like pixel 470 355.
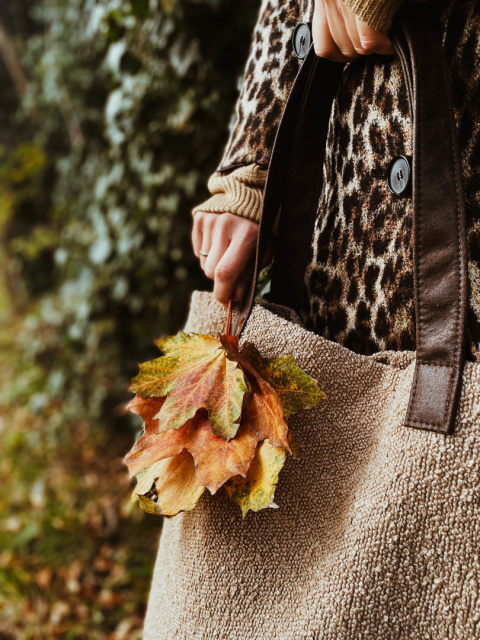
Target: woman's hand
pixel 340 36
pixel 230 242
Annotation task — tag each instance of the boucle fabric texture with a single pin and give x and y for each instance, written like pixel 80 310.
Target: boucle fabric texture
pixel 377 529
pixel 239 192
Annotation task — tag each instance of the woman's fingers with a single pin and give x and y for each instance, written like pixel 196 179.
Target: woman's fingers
pixel 373 41
pixel 201 236
pixel 351 26
pixel 323 41
pixel 233 265
pixel 208 227
pixel 197 233
pixel 218 247
pixel 336 13
pixel 230 242
pixel 227 272
pixel 340 36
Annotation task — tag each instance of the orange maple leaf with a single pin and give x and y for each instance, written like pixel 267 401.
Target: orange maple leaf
pixel 216 459
pixel 194 373
pixel 210 411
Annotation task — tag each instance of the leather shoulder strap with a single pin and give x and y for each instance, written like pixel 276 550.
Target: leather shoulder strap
pixel 439 233
pixel 312 95
pixel 439 237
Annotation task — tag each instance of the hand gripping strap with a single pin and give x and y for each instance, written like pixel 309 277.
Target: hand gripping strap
pixel 439 237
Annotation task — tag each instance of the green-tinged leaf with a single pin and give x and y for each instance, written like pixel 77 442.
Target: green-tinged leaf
pixel 196 374
pixel 189 346
pixel 148 505
pixel 297 390
pixel 257 490
pixel 184 353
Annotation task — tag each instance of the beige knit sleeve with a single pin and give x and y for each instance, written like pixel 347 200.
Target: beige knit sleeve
pixel 240 192
pixel 378 14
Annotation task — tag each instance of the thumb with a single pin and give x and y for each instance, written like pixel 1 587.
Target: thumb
pixel 244 283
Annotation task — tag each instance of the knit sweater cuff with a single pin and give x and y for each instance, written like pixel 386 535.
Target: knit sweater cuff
pixel 239 192
pixel 378 14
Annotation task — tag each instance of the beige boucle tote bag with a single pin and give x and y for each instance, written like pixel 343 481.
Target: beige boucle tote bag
pixel 377 534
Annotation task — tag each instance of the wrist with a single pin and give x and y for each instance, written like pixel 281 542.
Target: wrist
pixel 239 192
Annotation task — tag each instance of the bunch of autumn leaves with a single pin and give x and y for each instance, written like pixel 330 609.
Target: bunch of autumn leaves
pixel 214 416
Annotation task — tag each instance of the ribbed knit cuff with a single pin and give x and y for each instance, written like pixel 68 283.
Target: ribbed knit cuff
pixel 239 192
pixel 378 14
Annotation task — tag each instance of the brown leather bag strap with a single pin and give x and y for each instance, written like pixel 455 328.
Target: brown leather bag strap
pixel 439 230
pixel 439 238
pixel 310 96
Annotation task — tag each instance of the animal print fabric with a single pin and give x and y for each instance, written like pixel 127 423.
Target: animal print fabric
pixel 359 280
pixel 269 75
pixel 360 277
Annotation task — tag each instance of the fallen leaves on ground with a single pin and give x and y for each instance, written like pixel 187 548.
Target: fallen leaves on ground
pixel 214 415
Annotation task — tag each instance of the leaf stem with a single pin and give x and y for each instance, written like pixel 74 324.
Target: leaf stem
pixel 228 324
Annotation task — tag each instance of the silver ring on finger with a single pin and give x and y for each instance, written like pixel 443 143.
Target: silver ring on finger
pixel 203 254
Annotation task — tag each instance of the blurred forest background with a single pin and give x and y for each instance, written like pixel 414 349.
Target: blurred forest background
pixel 112 115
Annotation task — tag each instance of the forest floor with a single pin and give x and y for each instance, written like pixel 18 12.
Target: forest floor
pixel 76 554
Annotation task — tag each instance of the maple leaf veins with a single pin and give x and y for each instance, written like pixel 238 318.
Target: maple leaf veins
pixel 194 373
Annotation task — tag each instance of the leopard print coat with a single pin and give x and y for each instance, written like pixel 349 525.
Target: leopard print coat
pixel 359 279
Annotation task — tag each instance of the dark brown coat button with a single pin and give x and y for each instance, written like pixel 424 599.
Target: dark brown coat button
pixel 399 176
pixel 301 39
